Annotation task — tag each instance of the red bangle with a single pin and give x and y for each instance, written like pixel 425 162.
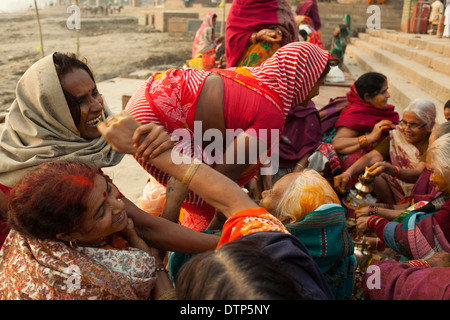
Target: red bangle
pixel 349 175
pixel 372 210
pixel 419 263
pixel 372 221
pixel 398 170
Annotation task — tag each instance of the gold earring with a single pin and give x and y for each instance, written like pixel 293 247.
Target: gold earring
pixel 73 245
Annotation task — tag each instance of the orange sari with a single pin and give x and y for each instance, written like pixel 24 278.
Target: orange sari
pixel 249 221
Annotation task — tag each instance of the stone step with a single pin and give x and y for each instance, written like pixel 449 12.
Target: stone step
pixel 331 15
pixel 431 81
pixel 401 88
pixel 437 62
pixel 426 42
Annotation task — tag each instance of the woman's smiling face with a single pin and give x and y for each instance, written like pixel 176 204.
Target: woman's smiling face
pixel 80 85
pixel 380 101
pixel 105 213
pixel 415 130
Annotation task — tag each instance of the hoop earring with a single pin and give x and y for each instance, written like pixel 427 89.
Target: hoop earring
pixel 73 245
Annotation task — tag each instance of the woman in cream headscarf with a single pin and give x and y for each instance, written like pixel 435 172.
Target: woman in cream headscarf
pixel 38 127
pixel 55 117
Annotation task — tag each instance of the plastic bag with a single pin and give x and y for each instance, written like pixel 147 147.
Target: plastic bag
pixel 209 59
pixel 335 75
pixel 153 197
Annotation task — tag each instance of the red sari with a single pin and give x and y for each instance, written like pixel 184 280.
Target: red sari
pixel 170 99
pixel 361 116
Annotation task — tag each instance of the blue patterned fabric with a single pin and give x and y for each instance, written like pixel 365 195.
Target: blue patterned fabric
pixel 325 234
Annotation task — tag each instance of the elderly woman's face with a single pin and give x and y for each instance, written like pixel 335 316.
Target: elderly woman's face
pixel 271 198
pixel 439 180
pixel 416 132
pixel 79 84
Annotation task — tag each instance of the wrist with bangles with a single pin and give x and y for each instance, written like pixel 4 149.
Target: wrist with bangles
pixel 419 263
pixel 299 165
pixel 362 140
pixel 372 210
pixel 377 245
pixel 397 172
pixel 372 221
pixel 191 172
pixel 160 267
pixel 349 175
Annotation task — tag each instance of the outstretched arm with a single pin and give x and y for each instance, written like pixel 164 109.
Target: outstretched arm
pixel 166 235
pixel 201 183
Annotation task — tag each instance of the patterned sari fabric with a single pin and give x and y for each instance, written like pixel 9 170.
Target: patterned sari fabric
pixel 169 99
pixel 52 270
pixel 314 36
pixel 293 255
pixel 257 53
pixel 247 222
pixel 325 234
pixel 249 16
pixel 341 39
pixel 423 232
pixel 403 155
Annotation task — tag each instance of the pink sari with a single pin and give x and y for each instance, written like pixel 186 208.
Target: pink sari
pixel 248 16
pixel 309 8
pixel 207 23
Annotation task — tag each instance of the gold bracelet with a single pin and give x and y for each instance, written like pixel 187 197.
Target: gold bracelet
pixel 363 143
pixel 191 171
pixel 253 39
pixel 299 164
pixel 168 295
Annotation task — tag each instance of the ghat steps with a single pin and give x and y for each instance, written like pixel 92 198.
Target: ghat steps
pixel 417 66
pixel 331 15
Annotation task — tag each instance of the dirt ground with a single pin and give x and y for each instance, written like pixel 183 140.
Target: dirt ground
pixel 113 46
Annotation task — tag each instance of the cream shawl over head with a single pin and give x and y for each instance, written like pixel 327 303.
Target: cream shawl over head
pixel 39 127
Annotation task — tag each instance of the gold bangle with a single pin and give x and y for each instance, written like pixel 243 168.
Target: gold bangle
pixel 191 171
pixel 299 164
pixel 363 143
pixel 168 295
pixel 253 39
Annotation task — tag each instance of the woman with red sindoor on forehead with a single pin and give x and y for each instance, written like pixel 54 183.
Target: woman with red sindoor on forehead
pixel 55 117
